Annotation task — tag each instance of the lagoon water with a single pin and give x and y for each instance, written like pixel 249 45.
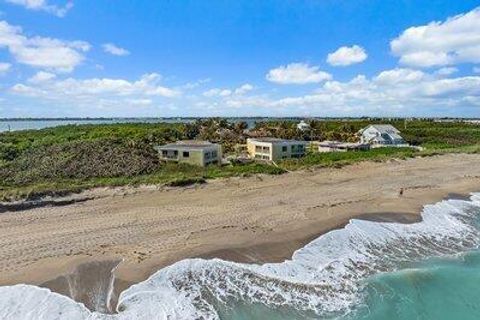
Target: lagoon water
pixel 368 270
pixel 16 125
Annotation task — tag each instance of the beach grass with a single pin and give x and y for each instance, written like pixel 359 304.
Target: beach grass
pixel 62 160
pixel 339 159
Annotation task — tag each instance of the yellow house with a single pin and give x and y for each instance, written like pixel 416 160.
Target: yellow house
pixel 274 149
pixel 196 152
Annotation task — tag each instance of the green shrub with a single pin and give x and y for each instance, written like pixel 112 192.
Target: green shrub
pixel 81 160
pixel 75 157
pixel 9 151
pixel 182 182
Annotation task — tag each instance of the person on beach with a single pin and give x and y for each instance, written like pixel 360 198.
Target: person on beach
pixel 400 193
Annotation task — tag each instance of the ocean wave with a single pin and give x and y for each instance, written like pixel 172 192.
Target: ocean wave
pixel 325 277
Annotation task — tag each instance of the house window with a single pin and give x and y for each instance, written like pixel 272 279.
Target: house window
pixel 266 150
pixel 258 149
pixel 207 155
pixel 214 154
pixel 164 153
pixel 186 154
pixel 284 149
pixel 175 153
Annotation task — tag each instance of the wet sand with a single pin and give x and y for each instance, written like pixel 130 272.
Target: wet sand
pixel 257 219
pixel 92 283
pixel 281 251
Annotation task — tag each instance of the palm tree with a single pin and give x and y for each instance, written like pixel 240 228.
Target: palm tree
pixel 240 126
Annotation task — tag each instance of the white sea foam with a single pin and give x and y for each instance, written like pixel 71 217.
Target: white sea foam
pixel 323 277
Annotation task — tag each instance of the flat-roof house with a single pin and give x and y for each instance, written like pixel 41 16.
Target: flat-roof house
pixel 274 149
pixel 336 146
pixel 379 135
pixel 195 152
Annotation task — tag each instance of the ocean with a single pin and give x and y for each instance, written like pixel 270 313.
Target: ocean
pixel 367 270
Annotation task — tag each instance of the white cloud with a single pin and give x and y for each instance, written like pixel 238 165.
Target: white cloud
pixel 399 75
pixel 140 102
pixel 345 56
pixel 40 52
pixel 195 84
pixel 247 87
pixel 41 76
pixel 113 49
pixel 4 67
pixel 46 86
pixel 450 88
pixel 42 5
pixel 454 41
pixel 217 92
pixel 446 71
pixel 391 92
pixel 297 73
pixel 399 91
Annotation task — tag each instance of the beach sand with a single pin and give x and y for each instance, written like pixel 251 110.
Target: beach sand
pixel 256 219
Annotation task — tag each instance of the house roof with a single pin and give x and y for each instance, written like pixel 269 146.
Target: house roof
pixel 379 139
pixel 275 140
pixel 395 136
pixel 384 128
pixel 189 144
pixel 338 144
pixel 303 124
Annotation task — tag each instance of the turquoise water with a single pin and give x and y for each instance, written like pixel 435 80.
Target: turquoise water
pixel 431 288
pixel 437 289
pixel 366 271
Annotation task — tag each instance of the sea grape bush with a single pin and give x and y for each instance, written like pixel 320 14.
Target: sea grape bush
pixel 75 157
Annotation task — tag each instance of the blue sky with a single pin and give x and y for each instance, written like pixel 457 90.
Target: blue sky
pixel 239 58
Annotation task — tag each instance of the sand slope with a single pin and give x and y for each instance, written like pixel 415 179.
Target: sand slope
pixel 262 218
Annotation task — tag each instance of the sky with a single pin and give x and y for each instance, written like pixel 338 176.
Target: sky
pixel 169 58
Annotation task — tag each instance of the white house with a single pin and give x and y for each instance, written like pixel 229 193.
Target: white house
pixel 378 135
pixel 302 125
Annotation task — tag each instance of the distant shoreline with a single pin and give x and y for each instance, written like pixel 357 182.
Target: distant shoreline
pixel 227 117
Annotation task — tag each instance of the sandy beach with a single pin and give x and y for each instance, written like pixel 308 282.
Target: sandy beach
pixel 255 219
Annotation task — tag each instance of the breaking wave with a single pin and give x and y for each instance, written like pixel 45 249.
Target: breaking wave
pixel 323 279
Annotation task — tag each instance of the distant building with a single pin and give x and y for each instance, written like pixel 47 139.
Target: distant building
pixel 302 125
pixel 336 146
pixel 195 152
pixel 379 135
pixel 274 149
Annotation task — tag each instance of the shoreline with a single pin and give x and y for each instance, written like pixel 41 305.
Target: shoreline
pixel 82 271
pixel 225 219
pixel 277 252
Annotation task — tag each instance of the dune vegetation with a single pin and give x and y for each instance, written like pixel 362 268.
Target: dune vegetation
pixel 56 161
